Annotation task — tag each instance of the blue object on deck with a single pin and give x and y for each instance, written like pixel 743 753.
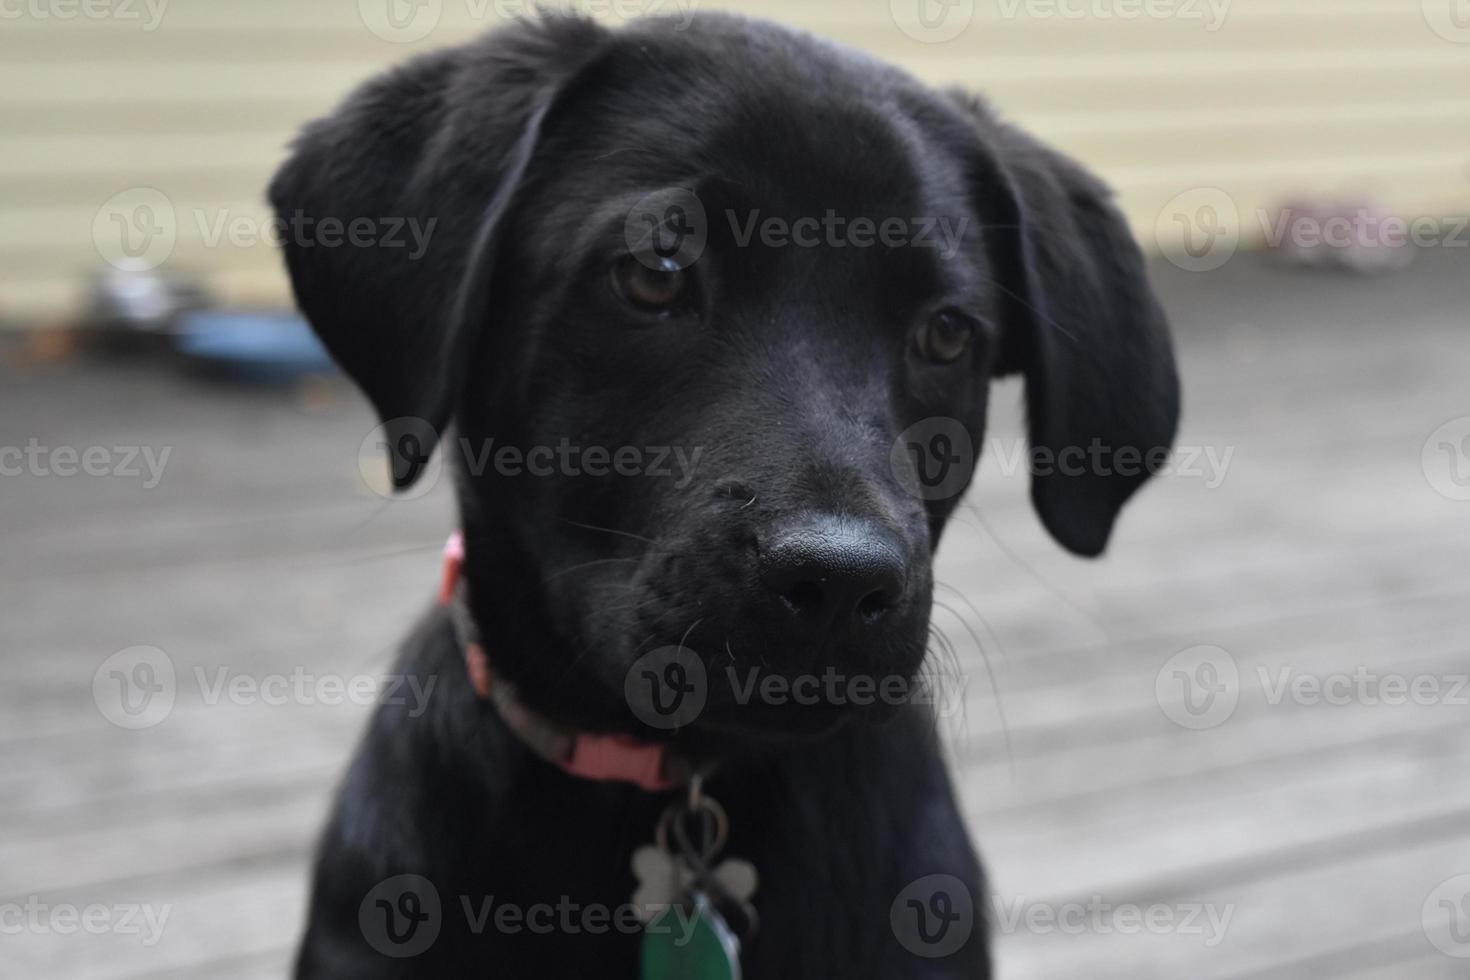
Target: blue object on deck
pixel 253 346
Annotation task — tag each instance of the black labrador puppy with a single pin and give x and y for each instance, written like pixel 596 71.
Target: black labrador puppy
pixel 796 269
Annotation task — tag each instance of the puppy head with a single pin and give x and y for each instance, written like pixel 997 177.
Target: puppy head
pixel 713 314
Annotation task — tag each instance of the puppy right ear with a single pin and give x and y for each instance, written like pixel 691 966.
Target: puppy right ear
pixel 392 206
pixel 1102 389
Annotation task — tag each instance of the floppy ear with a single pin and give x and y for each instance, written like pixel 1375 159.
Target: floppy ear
pixel 1102 393
pixel 392 206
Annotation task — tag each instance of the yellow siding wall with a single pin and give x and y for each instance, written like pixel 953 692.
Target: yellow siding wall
pixel 1359 96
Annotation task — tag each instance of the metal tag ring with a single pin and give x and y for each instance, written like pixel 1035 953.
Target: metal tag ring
pixel 705 807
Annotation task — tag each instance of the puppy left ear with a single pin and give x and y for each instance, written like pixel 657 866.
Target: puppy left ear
pixel 1102 392
pixel 393 207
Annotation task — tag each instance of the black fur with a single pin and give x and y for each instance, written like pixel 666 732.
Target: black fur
pixel 793 371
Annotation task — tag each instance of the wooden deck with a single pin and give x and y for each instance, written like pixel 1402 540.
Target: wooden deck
pixel 1291 840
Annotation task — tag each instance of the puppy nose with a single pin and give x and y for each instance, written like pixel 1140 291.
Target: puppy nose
pixel 831 573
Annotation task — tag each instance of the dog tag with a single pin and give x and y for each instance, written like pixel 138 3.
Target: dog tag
pixel 684 900
pixel 663 878
pixel 690 941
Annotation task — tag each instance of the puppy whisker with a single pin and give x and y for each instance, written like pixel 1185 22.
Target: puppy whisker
pixel 609 530
pixel 585 564
pixel 1035 575
pixel 995 691
pixel 378 555
pixel 1000 647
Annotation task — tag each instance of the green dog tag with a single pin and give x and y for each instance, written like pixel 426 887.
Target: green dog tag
pixel 690 942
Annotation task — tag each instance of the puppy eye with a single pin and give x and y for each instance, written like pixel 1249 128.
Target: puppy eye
pixel 650 283
pixel 944 336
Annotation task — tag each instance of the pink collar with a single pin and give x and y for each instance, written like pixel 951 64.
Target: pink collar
pixel 621 758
